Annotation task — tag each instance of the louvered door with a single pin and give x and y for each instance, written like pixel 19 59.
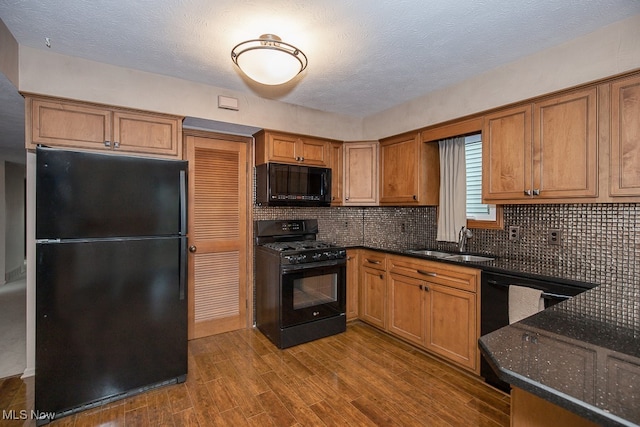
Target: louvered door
pixel 218 225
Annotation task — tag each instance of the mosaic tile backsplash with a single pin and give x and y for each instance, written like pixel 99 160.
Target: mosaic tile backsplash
pixel 600 243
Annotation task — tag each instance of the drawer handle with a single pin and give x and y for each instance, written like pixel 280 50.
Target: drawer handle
pixel 372 261
pixel 427 273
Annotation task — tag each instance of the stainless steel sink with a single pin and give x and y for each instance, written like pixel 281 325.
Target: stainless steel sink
pixel 429 252
pixel 469 258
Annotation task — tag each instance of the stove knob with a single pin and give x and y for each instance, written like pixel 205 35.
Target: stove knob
pixel 330 254
pixel 317 256
pixel 302 258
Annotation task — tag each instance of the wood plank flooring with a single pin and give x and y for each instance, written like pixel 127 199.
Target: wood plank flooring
pixel 359 378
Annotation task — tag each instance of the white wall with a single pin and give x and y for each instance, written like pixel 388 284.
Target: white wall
pixel 14 216
pixel 609 51
pixel 2 224
pixel 76 78
pixel 8 54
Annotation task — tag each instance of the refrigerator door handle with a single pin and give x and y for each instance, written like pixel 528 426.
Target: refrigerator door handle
pixel 183 267
pixel 183 203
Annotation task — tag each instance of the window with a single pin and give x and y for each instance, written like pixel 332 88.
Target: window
pixel 479 215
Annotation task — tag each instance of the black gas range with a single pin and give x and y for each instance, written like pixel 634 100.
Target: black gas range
pixel 300 282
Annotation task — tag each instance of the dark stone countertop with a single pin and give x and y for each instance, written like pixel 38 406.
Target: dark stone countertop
pixel 582 354
pixel 569 357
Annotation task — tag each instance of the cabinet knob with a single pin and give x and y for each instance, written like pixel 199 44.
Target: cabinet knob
pixel 527 192
pixel 415 197
pixel 346 198
pixel 192 249
pixel 116 144
pixel 536 192
pixel 107 143
pixel 382 276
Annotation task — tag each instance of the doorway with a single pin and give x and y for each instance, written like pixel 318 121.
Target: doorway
pixel 13 278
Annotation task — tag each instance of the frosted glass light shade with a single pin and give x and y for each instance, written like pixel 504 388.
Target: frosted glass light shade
pixel 268 60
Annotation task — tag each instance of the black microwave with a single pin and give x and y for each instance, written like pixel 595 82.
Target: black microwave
pixel 279 184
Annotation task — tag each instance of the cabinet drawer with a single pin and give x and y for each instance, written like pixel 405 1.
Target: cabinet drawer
pixel 455 276
pixel 375 260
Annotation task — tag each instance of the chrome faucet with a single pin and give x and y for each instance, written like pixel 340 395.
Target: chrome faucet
pixel 463 236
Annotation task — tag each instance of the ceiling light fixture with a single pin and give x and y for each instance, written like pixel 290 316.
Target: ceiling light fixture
pixel 269 60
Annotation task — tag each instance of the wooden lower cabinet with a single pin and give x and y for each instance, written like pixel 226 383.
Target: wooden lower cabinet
pixel 407 308
pixel 431 304
pixel 528 410
pixel 353 269
pixel 451 324
pixel 373 288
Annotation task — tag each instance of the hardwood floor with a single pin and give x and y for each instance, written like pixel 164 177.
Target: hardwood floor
pixel 359 378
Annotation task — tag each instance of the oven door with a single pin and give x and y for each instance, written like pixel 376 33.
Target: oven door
pixel 312 291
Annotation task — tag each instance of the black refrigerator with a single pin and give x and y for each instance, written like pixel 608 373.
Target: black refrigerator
pixel 111 306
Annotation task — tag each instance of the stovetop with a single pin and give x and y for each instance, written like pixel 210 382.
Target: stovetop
pixel 295 241
pixel 307 251
pixel 298 246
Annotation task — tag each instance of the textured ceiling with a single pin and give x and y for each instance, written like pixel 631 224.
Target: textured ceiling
pixel 364 56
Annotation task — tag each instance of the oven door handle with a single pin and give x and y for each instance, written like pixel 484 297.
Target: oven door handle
pixel 297 267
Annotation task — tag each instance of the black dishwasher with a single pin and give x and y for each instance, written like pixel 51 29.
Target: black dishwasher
pixel 494 310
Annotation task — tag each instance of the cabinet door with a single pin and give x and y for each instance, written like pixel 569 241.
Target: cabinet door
pixel 625 134
pixel 372 296
pixel 506 154
pixel 67 124
pixel 313 152
pixel 451 329
pixel 335 163
pixel 353 267
pixel 406 308
pixel 399 170
pixel 281 148
pixel 149 134
pixel 361 174
pixel 565 142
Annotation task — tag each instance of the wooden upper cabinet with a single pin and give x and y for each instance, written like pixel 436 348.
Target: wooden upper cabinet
pixel 291 149
pixel 71 124
pixel 625 138
pixel 506 154
pixel 336 165
pixel 565 146
pixel 409 171
pixel 360 173
pixel 145 133
pixel 542 151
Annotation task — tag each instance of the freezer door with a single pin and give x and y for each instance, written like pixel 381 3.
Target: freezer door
pixel 88 195
pixel 111 317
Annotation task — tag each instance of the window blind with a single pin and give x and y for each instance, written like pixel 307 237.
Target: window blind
pixel 473 158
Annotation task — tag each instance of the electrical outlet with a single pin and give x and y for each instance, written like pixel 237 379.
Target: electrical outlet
pixel 403 228
pixel 555 236
pixel 514 233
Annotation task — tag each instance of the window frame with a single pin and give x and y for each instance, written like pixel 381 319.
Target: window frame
pixel 465 127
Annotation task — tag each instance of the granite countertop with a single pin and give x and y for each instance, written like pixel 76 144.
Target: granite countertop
pixel 567 354
pixel 582 354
